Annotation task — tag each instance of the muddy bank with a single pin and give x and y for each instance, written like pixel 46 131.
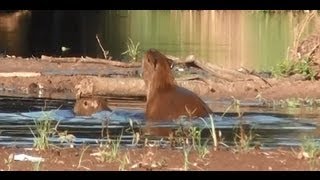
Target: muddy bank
pixel 153 159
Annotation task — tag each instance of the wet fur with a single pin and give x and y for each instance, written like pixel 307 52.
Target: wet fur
pixel 166 100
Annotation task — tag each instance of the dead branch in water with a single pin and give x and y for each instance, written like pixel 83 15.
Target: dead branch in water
pixel 105 53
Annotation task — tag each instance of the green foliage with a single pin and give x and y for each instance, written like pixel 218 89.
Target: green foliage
pixel 243 140
pixel 311 150
pixel 288 68
pixel 296 102
pixel 109 151
pixel 44 130
pixel 133 50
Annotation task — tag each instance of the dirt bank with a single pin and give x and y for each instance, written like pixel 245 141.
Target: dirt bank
pixel 58 79
pixel 155 159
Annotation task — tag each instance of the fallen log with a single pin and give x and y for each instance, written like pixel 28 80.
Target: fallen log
pixel 102 86
pixel 20 74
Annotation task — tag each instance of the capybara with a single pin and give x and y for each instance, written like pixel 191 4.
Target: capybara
pixel 165 99
pixel 90 105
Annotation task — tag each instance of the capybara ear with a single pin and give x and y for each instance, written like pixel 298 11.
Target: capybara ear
pixel 151 58
pixel 171 63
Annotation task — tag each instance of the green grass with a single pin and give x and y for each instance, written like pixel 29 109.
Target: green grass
pixel 290 67
pixel 310 149
pixel 133 50
pixel 44 130
pixel 200 147
pixel 109 151
pixel 243 139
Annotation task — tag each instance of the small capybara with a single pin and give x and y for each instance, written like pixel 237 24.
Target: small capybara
pixel 165 99
pixel 90 105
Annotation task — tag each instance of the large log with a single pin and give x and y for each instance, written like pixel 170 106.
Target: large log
pixel 102 86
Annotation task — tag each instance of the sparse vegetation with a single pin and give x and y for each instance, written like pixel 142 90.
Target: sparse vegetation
pixel 288 68
pixel 186 152
pixel 64 137
pixel 37 165
pixel 124 161
pixel 295 102
pixel 133 50
pixel 310 149
pixel 44 131
pixel 81 156
pixel 9 161
pixel 243 139
pixel 200 147
pixel 109 151
pixel 280 11
pixel 135 133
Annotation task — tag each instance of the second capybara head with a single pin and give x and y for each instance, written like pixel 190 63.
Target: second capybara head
pixel 90 105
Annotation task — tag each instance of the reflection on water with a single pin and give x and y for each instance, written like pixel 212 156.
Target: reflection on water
pixel 228 38
pixel 14 29
pixel 272 128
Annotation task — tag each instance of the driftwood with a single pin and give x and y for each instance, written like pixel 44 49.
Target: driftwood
pixel 20 74
pixel 90 60
pixel 220 73
pixel 101 86
pixel 212 70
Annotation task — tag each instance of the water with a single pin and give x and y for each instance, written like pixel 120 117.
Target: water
pixel 270 127
pixel 230 39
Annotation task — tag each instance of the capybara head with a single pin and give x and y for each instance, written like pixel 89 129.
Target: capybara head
pixel 88 106
pixel 156 65
pixel 165 100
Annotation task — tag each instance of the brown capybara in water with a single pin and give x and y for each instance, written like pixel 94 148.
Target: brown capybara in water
pixel 88 106
pixel 165 99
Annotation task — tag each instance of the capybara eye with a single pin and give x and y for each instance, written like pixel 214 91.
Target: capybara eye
pixel 85 103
